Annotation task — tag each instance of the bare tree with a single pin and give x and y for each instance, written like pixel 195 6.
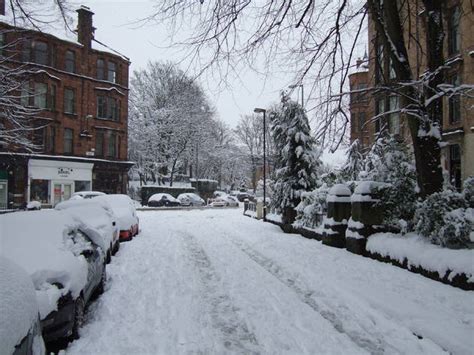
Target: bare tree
pixel 316 41
pixel 20 123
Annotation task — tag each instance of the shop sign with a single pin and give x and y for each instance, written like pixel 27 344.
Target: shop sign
pixel 64 172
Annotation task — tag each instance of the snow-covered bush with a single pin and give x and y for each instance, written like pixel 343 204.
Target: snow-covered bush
pixel 354 163
pixel 468 191
pixel 445 219
pixel 312 206
pixel 389 161
pixel 297 159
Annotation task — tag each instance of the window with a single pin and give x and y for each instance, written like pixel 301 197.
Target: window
pixel 68 141
pixel 99 143
pixel 52 97
pixel 2 44
pixel 69 101
pixel 100 69
pixel 40 52
pixel 454 102
pixel 455 166
pixel 26 94
pixel 394 117
pixel 112 146
pixel 50 140
pixel 112 72
pixel 70 61
pixel 108 108
pixel 36 52
pixel 39 190
pixel 40 97
pixel 82 185
pixel 454 35
pixel 380 109
pixel 361 121
pixel 379 64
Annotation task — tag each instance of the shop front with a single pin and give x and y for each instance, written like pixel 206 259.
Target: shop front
pixel 53 181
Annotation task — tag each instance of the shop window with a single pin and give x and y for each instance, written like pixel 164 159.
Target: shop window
pixel 39 191
pixel 68 141
pixel 112 72
pixel 70 61
pixel 455 166
pixel 40 96
pixel 99 143
pixel 454 34
pixel 82 185
pixel 112 146
pixel 69 101
pixel 454 102
pixel 100 69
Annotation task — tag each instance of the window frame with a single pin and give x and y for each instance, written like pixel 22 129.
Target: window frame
pixel 454 101
pixel 68 139
pixel 67 100
pixel 99 152
pixel 100 69
pixel 70 62
pixel 111 71
pixel 112 143
pixel 40 95
pixel 453 30
pixel 108 108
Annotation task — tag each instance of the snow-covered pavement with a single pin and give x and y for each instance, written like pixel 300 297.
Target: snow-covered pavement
pixel 215 282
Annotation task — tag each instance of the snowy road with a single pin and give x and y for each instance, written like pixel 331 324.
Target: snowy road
pixel 215 282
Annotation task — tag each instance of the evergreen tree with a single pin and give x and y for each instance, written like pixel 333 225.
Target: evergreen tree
pixel 297 159
pixel 354 163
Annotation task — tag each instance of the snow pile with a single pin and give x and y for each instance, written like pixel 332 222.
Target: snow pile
pixel 419 252
pixel 97 217
pixel 42 243
pixel 271 217
pixel 339 193
pixel 33 205
pixel 18 306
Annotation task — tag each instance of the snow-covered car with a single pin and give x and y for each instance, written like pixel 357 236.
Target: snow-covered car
pixel 217 202
pixel 20 329
pixel 191 199
pixel 66 265
pixel 86 195
pixel 124 209
pixel 231 201
pixel 99 215
pixel 242 196
pixel 162 199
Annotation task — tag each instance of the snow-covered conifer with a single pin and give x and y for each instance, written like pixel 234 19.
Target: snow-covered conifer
pixel 297 159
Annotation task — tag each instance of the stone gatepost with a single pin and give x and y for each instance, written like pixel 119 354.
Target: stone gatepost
pixel 259 209
pixel 367 217
pixel 338 214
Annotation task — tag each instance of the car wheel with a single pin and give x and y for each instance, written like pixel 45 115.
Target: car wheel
pixel 101 287
pixel 108 257
pixel 79 310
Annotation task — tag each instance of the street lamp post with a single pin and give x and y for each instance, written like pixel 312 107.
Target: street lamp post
pixel 302 92
pixel 261 110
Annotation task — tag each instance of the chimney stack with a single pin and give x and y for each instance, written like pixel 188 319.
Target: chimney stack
pixel 85 30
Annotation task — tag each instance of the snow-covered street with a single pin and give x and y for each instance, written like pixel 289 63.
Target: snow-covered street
pixel 215 281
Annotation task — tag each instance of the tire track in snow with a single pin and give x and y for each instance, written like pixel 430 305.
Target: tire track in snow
pixel 225 319
pixel 365 335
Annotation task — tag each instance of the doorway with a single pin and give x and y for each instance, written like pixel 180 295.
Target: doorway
pixel 61 192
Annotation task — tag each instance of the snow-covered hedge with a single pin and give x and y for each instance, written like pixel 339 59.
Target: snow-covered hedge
pixel 446 218
pixel 416 251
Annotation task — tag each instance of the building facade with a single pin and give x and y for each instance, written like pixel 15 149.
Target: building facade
pixel 78 89
pixel 458 116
